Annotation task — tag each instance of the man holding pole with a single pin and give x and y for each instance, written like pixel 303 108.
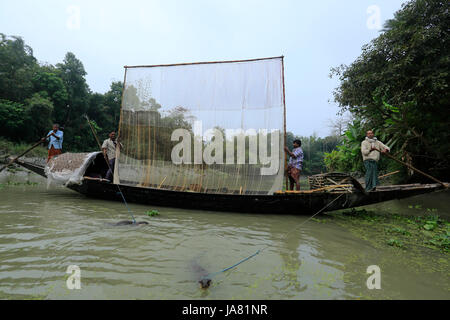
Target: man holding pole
pixel 370 149
pixel 109 151
pixel 55 139
pixel 295 165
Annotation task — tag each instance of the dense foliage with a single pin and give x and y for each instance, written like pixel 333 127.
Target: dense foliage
pixel 33 96
pixel 399 88
pixel 314 150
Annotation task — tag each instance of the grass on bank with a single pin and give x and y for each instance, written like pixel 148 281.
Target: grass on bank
pixel 13 183
pixel 9 148
pixel 395 230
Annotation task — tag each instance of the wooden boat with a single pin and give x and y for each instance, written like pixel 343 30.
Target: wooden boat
pixel 159 101
pixel 292 203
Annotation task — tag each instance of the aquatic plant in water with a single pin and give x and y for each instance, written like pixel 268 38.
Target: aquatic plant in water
pixel 396 243
pixel 152 213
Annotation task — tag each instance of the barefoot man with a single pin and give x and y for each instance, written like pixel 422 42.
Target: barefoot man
pixel 55 139
pixel 109 150
pixel 370 149
pixel 295 165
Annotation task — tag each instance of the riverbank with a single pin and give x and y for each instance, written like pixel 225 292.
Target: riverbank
pixel 426 230
pixel 9 148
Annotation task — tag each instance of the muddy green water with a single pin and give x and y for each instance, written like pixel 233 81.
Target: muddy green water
pixel 45 230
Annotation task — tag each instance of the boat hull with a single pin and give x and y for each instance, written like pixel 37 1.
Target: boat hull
pixel 287 203
pixel 304 203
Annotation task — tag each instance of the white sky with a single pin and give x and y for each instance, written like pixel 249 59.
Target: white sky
pixel 106 35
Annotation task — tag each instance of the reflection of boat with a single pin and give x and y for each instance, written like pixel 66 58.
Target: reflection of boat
pixel 207 136
pixel 281 203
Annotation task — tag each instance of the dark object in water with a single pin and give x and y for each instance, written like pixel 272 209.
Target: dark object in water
pixel 204 281
pixel 128 222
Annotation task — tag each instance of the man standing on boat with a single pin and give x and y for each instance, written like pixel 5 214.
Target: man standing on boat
pixel 295 165
pixel 370 149
pixel 55 139
pixel 109 150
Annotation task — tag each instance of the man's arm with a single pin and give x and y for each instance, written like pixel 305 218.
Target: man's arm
pixel 104 148
pixel 105 154
pixel 59 135
pixel 47 137
pixel 384 148
pixel 292 154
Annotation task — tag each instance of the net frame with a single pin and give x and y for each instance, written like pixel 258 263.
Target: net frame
pixel 116 171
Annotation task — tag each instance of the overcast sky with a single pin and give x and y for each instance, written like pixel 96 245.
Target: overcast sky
pixel 106 35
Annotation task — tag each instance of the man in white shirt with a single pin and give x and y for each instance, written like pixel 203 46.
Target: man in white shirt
pixel 370 149
pixel 109 150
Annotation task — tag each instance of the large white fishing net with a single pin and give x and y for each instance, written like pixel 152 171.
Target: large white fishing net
pixel 206 127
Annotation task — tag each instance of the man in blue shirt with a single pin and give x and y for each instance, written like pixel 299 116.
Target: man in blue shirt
pixel 55 139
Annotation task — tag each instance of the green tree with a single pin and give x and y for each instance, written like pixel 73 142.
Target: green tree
pixel 399 85
pixel 12 117
pixel 38 112
pixel 112 102
pixel 76 130
pixel 17 65
pixel 47 81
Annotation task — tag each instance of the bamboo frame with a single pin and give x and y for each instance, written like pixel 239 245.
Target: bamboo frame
pixel 284 124
pixel 317 190
pixel 201 181
pixel 205 62
pixel 388 174
pixel 116 177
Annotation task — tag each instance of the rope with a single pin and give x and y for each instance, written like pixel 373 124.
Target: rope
pixel 126 205
pixel 107 162
pixel 211 275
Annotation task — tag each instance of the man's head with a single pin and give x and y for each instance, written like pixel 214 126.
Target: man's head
pixel 112 135
pixel 297 143
pixel 55 127
pixel 370 134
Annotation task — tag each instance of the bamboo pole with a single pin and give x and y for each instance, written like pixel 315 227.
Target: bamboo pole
pixel 316 190
pixel 116 178
pixel 284 124
pixel 121 104
pixel 388 174
pixel 445 185
pixel 205 62
pixel 162 182
pixel 20 155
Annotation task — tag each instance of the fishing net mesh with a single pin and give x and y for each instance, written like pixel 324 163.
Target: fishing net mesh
pixel 207 127
pixel 68 167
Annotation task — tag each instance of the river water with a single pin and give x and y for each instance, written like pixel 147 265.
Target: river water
pixel 44 230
